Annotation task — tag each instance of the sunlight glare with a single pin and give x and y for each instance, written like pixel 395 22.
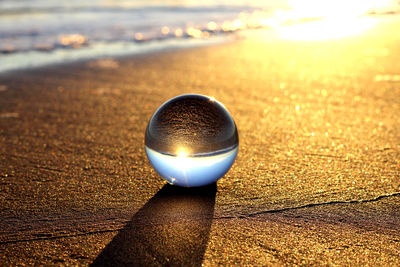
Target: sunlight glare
pixel 326 29
pixel 182 152
pixel 333 8
pixel 332 19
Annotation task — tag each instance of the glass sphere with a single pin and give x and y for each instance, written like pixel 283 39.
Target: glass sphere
pixel 191 140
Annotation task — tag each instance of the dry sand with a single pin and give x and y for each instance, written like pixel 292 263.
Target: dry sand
pixel 316 180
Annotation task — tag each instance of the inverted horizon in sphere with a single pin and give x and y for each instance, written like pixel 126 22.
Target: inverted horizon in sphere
pixel 191 140
pixel 192 171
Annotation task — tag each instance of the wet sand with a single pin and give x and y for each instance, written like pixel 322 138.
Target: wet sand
pixel 316 180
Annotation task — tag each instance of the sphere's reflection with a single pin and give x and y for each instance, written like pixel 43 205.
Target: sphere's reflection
pixel 191 140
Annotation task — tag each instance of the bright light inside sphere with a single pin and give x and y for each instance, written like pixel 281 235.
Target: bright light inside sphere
pixel 182 152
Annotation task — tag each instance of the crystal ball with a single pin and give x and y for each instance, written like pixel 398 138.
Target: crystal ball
pixel 191 140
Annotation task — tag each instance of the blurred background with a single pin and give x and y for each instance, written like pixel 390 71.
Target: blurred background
pixel 38 32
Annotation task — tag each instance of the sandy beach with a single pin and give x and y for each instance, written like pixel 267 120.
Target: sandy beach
pixel 316 180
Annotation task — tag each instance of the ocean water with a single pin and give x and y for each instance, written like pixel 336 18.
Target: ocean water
pixel 38 32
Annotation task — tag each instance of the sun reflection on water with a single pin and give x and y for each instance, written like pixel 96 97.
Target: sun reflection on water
pixel 304 20
pixel 328 19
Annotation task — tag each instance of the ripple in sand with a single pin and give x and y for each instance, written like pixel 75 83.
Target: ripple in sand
pixel 107 91
pixel 9 115
pixel 387 78
pixel 107 63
